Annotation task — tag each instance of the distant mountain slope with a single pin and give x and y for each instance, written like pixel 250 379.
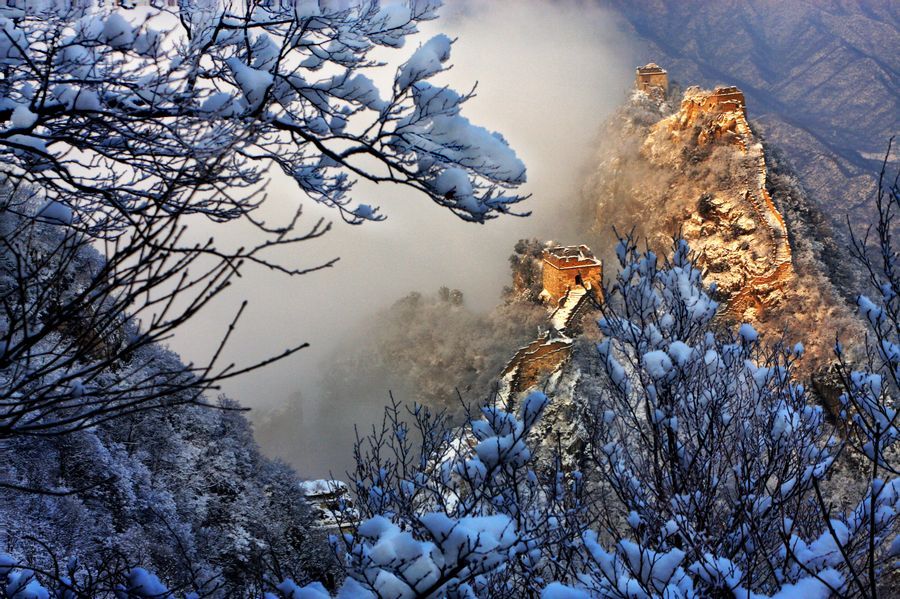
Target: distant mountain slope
pixel 821 77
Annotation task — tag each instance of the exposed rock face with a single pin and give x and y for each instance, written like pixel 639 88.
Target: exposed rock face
pixel 821 77
pixel 738 231
pixel 698 170
pixel 694 165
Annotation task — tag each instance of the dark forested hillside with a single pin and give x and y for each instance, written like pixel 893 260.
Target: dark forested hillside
pixel 182 490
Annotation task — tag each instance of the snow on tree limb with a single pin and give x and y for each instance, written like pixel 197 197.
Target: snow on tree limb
pixel 105 104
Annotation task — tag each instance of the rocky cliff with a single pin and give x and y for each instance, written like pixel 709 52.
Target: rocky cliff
pixel 694 164
pixel 820 77
pixel 739 233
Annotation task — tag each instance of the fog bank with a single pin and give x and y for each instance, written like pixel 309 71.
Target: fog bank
pixel 548 74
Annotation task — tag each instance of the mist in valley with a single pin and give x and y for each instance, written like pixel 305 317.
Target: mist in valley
pixel 546 81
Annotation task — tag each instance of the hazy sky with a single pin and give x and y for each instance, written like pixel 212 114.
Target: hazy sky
pixel 547 74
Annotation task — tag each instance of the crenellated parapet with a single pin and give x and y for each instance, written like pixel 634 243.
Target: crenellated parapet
pixel 573 283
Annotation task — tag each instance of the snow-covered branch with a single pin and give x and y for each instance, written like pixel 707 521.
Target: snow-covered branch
pixel 114 113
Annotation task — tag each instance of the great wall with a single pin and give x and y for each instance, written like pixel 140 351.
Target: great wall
pixel 781 269
pixel 572 276
pixel 720 116
pixel 777 270
pixel 572 281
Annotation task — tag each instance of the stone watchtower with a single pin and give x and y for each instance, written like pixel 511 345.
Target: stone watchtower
pixel 651 76
pixel 569 267
pixel 727 98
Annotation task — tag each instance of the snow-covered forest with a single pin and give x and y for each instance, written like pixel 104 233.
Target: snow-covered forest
pixel 697 462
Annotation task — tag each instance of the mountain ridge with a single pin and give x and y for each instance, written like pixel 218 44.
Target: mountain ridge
pixel 825 93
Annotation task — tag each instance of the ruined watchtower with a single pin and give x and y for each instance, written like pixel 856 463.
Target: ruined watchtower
pixel 569 267
pixel 727 98
pixel 651 76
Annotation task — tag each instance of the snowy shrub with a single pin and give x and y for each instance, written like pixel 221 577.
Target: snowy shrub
pixel 118 128
pixel 706 475
pixel 21 583
pixel 459 513
pixel 185 494
pixel 708 472
pixel 714 462
pixel 706 441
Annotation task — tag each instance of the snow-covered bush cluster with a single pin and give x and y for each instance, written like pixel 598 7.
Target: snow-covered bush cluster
pixel 185 494
pixel 459 515
pixel 116 129
pixel 713 461
pixel 708 472
pixel 182 489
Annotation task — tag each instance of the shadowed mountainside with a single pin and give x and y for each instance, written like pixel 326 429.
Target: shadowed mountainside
pixel 821 78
